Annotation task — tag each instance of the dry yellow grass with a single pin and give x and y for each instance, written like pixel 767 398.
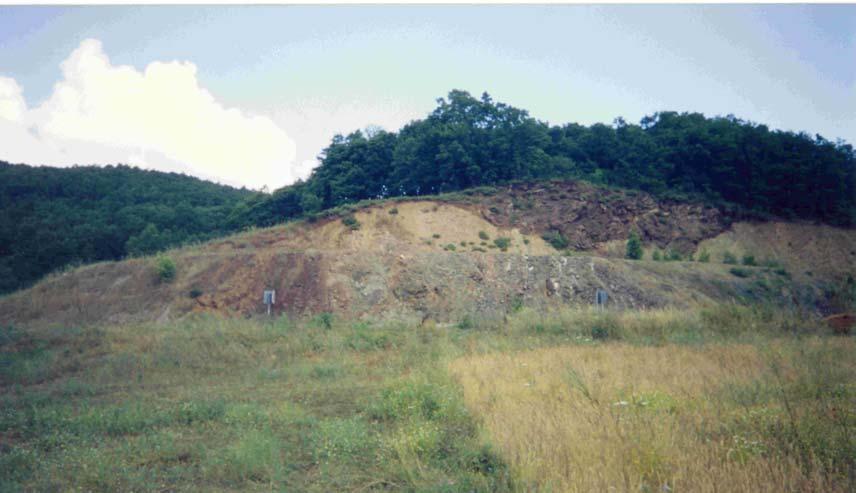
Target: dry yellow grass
pixel 617 417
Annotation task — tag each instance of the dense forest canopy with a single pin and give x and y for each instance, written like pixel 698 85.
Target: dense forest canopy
pixel 51 217
pixel 468 142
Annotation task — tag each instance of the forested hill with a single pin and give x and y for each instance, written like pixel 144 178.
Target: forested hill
pixel 467 142
pixel 51 217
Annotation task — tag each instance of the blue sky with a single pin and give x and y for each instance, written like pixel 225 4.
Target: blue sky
pixel 285 79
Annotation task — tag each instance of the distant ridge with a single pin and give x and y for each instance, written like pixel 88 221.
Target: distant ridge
pixel 52 217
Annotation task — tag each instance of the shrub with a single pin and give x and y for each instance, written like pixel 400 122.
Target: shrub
pixel 502 243
pixel 704 256
pixel 605 327
pixel 673 255
pixel 737 271
pixel 351 222
pixel 165 268
pixel 450 247
pixel 634 246
pixel 393 211
pixel 484 461
pixel 436 235
pixel 556 239
pixel 195 293
pixel 599 332
pixel 324 320
pixel 408 399
pixel 656 255
pixel 749 260
pixel 525 241
pixel 729 258
pixel 483 235
pixel 466 323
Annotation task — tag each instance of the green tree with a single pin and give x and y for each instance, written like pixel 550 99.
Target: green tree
pixel 634 246
pixel 149 240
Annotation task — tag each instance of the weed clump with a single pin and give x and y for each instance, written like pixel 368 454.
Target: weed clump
pixel 351 222
pixel 340 439
pixel 502 243
pixel 673 256
pixel 556 239
pixel 466 323
pixel 254 457
pixel 323 320
pixel 605 327
pixel 165 269
pixel 483 236
pixel 728 258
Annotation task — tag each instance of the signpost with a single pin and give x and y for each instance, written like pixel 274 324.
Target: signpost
pixel 269 298
pixel 600 298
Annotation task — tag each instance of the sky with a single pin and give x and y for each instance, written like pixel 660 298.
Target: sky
pixel 251 95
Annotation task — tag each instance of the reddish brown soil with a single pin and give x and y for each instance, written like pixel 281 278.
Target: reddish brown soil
pixel 841 323
pixel 589 216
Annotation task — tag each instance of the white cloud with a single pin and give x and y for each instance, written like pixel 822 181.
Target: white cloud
pixel 159 118
pixel 12 104
pixel 314 121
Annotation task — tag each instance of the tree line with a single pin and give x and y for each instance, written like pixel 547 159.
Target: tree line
pixel 52 217
pixel 467 142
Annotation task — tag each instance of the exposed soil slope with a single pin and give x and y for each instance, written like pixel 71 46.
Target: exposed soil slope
pixel 590 217
pixel 439 260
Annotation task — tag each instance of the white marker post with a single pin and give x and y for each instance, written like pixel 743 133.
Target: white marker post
pixel 269 299
pixel 600 298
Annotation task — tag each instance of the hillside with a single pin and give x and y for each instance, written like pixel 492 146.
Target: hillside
pixel 469 142
pixel 728 168
pixel 54 217
pixel 476 255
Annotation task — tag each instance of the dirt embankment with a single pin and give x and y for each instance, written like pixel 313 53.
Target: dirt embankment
pixel 443 286
pixel 478 255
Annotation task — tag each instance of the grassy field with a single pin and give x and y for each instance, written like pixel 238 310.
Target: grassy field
pixel 726 399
